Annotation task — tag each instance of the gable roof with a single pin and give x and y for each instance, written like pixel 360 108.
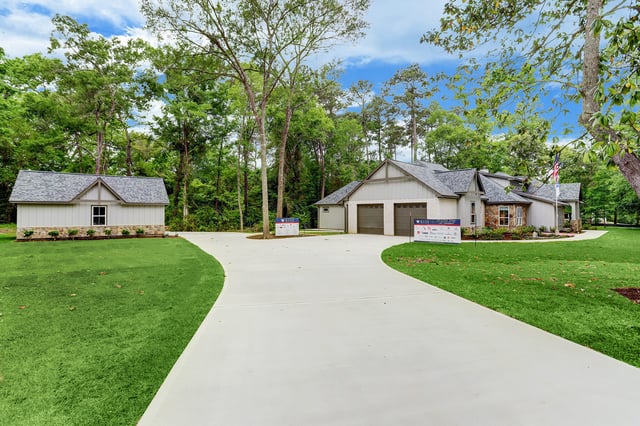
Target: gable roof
pixel 496 194
pixel 458 180
pixel 338 196
pixel 426 174
pixel 568 191
pixel 63 188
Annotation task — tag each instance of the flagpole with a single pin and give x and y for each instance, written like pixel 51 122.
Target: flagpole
pixel 556 211
pixel 556 177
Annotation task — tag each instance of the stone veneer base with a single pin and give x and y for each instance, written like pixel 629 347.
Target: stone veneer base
pixel 42 232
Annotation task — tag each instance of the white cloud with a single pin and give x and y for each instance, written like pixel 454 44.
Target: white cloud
pixel 393 35
pixel 25 27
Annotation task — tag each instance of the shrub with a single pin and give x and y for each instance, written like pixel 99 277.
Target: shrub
pixel 107 232
pixel 528 230
pixel 73 232
pixel 139 231
pixel 91 232
pixel 27 233
pixel 125 231
pixel 54 234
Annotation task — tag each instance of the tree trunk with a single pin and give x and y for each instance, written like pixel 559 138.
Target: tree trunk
pixel 260 119
pixel 628 163
pixel 239 184
pixel 128 153
pixel 282 158
pixel 185 170
pixel 99 151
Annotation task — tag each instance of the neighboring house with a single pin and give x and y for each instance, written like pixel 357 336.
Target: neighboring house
pixel 49 201
pixel 395 193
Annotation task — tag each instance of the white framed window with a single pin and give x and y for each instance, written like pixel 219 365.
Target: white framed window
pixel 503 216
pixel 98 215
pixel 473 213
pixel 518 216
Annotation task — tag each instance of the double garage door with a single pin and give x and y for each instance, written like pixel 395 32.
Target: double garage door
pixel 371 218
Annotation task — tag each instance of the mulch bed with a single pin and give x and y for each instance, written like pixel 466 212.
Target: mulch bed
pixel 631 293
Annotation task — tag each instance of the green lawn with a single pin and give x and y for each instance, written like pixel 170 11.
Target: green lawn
pixel 561 287
pixel 90 329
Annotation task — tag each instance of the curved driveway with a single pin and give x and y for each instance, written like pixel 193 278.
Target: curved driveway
pixel 318 331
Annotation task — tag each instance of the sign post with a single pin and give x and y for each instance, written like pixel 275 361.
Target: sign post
pixel 437 230
pixel 287 226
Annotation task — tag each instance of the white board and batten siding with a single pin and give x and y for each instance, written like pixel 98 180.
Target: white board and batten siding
pixel 79 212
pixel 389 193
pixel 541 214
pixel 464 207
pixel 331 217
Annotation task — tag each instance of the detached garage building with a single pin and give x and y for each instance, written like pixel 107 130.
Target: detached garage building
pixel 48 201
pixel 395 193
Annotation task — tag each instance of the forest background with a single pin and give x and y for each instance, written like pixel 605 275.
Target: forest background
pixel 81 108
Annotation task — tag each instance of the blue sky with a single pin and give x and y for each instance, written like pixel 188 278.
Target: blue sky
pixel 391 42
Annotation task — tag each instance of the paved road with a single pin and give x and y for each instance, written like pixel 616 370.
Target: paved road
pixel 318 331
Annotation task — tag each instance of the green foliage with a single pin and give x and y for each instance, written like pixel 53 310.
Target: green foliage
pixel 72 232
pixel 560 287
pixel 558 58
pixel 103 334
pixel 54 234
pixel 27 233
pixel 107 232
pixel 125 231
pixel 91 232
pixel 139 231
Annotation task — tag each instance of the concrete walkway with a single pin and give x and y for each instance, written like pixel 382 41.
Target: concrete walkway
pixel 318 331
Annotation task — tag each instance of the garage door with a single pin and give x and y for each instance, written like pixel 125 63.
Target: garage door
pixel 404 215
pixel 371 219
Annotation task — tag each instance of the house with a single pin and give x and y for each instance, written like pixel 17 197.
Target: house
pixel 395 193
pixel 49 201
pixel 331 208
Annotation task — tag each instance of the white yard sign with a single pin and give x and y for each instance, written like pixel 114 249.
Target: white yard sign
pixel 287 226
pixel 437 230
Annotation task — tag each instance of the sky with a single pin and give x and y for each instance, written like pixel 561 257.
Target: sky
pixel 391 41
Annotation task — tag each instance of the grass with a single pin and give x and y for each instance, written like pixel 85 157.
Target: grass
pixel 90 329
pixel 561 287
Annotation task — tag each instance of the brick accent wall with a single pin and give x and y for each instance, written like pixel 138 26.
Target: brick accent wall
pixel 492 216
pixel 43 232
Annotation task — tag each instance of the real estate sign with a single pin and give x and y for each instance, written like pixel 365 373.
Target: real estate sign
pixel 287 226
pixel 437 230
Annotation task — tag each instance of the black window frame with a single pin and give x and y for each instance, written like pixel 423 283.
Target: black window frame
pixel 473 213
pixel 102 215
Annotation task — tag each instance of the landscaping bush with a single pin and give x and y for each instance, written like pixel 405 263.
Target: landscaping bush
pixel 139 231
pixel 73 233
pixel 91 232
pixel 125 231
pixel 54 234
pixel 27 233
pixel 107 232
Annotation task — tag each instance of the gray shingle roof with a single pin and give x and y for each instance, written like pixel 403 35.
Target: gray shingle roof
pixel 458 180
pixel 426 173
pixel 496 194
pixel 568 191
pixel 336 197
pixel 52 187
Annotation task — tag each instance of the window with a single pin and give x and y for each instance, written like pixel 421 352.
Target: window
pixel 518 216
pixel 503 213
pixel 473 213
pixel 98 215
pixel 325 210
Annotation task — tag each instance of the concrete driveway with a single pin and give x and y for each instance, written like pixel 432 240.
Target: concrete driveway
pixel 318 331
